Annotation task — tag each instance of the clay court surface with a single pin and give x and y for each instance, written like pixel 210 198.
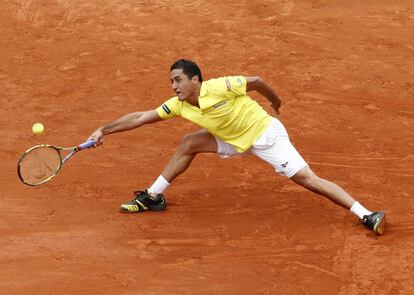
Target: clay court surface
pixel 344 71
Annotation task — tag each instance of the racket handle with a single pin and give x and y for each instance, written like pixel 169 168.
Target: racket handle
pixel 86 145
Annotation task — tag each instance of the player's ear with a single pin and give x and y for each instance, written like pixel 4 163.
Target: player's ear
pixel 195 79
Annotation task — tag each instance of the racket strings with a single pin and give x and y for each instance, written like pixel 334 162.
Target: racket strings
pixel 39 165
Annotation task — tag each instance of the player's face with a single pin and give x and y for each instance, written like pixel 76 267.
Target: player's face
pixel 182 85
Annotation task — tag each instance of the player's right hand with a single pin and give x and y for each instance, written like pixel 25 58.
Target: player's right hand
pixel 276 107
pixel 97 137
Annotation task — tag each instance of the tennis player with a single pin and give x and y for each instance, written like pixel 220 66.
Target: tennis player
pixel 231 124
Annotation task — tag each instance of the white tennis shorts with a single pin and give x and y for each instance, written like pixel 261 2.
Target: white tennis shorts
pixel 274 147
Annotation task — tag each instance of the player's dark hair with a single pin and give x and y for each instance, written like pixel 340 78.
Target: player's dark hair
pixel 190 68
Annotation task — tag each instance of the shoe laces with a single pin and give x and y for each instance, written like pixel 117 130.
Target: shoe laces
pixel 137 194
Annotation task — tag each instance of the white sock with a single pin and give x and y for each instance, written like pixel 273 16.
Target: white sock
pixel 359 210
pixel 159 186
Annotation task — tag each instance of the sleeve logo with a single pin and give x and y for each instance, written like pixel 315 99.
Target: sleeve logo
pixel 166 109
pixel 228 84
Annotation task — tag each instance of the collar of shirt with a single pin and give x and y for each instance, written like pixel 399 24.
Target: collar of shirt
pixel 207 100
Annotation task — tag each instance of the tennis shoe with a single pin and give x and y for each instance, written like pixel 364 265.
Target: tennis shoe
pixel 375 222
pixel 144 202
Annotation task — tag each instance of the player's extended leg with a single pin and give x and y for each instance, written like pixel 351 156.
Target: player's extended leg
pixel 152 199
pixel 308 179
pixel 275 148
pixel 316 184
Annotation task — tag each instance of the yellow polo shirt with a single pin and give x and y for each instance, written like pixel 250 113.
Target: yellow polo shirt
pixel 226 111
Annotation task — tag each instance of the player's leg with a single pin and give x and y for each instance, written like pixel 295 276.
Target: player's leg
pixel 316 184
pixel 198 142
pixel 275 148
pixel 152 199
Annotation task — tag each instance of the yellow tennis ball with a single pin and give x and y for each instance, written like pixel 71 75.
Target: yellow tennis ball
pixel 38 128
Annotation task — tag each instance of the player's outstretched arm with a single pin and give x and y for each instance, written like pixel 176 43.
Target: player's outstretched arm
pixel 258 84
pixel 127 122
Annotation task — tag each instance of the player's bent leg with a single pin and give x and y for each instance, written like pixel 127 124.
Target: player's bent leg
pixel 316 184
pixel 153 199
pixel 198 142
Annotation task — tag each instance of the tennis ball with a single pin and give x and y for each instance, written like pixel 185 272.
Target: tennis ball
pixel 38 128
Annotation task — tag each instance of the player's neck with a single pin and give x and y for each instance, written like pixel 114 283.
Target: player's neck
pixel 193 99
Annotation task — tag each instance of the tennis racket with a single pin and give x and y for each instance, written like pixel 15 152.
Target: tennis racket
pixel 41 163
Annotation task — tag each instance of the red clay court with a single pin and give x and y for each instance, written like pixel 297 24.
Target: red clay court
pixel 344 71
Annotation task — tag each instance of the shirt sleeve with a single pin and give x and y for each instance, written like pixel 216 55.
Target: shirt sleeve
pixel 170 109
pixel 227 87
pixel 236 85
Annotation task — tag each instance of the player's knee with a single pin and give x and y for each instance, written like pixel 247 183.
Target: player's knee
pixel 307 179
pixel 188 143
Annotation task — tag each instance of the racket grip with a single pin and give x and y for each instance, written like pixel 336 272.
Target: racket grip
pixel 86 145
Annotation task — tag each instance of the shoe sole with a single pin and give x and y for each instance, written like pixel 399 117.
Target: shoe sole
pixel 160 208
pixel 380 227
